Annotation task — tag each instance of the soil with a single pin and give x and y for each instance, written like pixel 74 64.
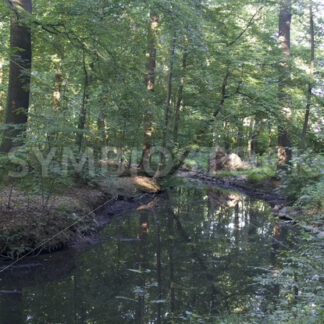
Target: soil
pixel 75 215
pixel 262 190
pixel 31 224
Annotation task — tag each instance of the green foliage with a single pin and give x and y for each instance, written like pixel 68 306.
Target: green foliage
pixel 90 59
pixel 112 37
pixel 304 180
pixel 300 282
pixel 256 175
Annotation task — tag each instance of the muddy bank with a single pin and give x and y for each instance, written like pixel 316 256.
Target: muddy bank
pixel 30 225
pixel 86 210
pixel 113 208
pixel 263 191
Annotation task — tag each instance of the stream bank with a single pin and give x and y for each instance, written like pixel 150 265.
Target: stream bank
pixel 263 190
pixel 30 225
pixel 75 215
pixel 191 240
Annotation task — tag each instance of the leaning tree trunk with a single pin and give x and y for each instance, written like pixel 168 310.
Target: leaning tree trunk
pixel 149 82
pixel 180 161
pixel 311 77
pixel 16 113
pixel 284 143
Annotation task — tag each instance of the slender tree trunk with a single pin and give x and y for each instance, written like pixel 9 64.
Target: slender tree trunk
pixel 100 120
pixel 83 110
pixel 16 114
pixel 250 149
pixel 284 143
pixel 311 77
pixel 103 125
pixel 149 82
pixel 240 135
pixel 178 164
pixel 169 92
pixel 227 137
pixel 180 93
pixel 57 85
pixel 1 92
pixel 269 134
pixel 237 225
pixel 254 136
pixel 53 133
pixel 102 116
pixel 168 102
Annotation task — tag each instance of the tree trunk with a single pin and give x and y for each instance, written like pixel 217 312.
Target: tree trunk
pixel 149 82
pixel 57 84
pixel 180 93
pixel 255 134
pixel 83 110
pixel 167 103
pixel 250 145
pixel 102 125
pixel 1 92
pixel 284 144
pixel 169 92
pixel 53 133
pixel 16 114
pixel 311 77
pixel 180 161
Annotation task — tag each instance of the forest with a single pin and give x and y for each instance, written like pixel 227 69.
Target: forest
pixel 191 129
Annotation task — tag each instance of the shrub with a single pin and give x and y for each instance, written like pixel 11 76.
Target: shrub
pixel 303 179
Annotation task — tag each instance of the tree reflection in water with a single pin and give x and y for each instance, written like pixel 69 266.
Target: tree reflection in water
pixel 194 250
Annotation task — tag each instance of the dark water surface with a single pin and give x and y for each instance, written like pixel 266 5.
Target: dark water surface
pixel 193 250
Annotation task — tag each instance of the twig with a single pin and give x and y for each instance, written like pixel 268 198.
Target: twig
pixel 245 29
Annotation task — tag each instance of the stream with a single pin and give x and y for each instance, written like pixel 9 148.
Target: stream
pixel 192 252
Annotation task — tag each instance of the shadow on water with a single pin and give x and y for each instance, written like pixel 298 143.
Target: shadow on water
pixel 196 250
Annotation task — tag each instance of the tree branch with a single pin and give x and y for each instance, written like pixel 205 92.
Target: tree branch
pixel 245 29
pixel 13 8
pixel 50 28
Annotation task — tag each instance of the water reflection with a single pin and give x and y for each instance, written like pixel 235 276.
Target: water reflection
pixel 193 250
